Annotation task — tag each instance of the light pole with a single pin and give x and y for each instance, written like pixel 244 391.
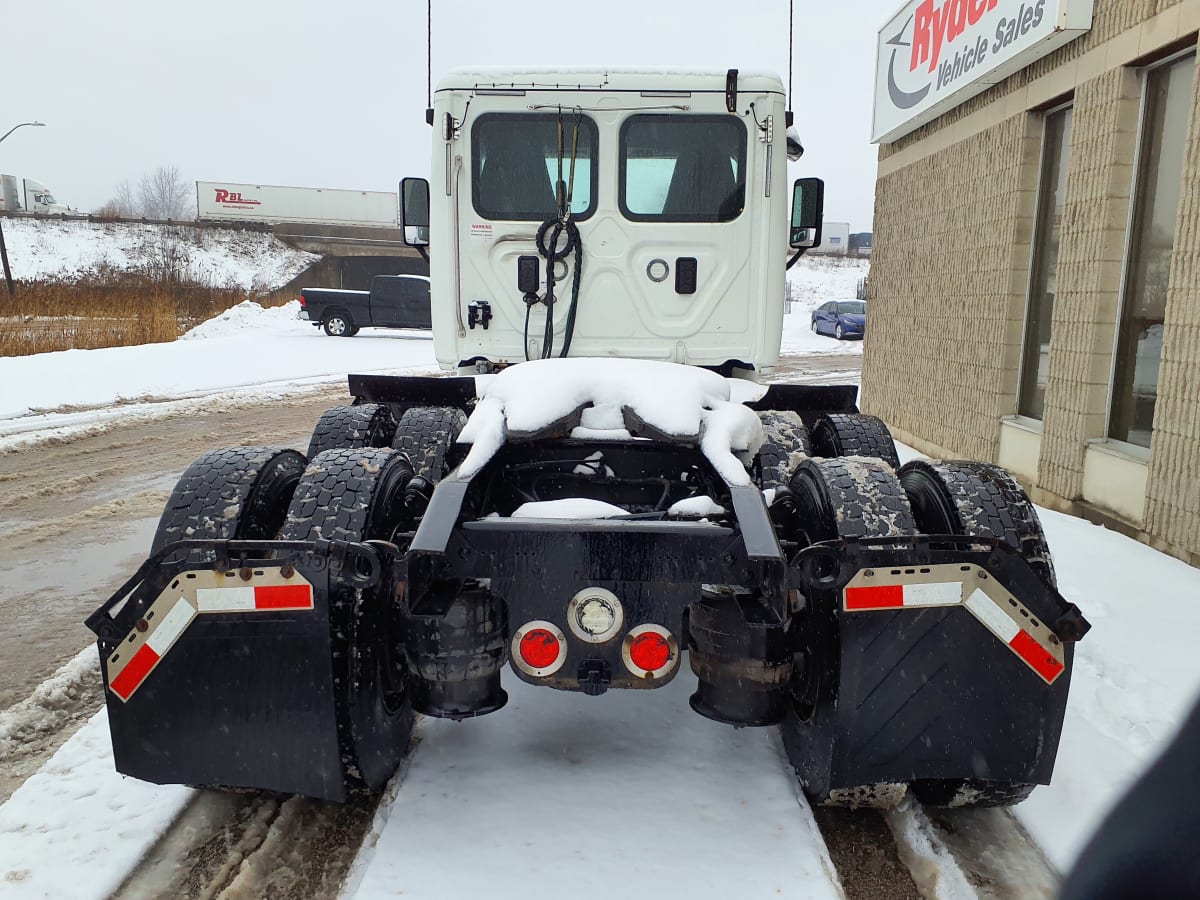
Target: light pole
pixel 4 250
pixel 23 124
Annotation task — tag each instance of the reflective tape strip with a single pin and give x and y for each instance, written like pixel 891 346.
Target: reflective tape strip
pixel 884 596
pixel 1036 656
pixel 998 622
pixel 234 599
pixel 1020 641
pixel 134 673
pixel 250 599
pixel 161 639
pixel 897 596
pixel 171 627
pixel 284 596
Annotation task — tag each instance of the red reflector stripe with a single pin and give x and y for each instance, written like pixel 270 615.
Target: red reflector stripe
pixel 134 673
pixel 1038 659
pixel 283 596
pixel 886 596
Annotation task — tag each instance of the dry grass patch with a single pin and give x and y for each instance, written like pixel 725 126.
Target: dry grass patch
pixel 116 309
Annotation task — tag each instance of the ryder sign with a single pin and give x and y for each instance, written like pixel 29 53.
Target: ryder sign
pixel 935 54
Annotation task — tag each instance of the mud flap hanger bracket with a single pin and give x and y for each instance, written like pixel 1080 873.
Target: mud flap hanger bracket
pixel 829 566
pixel 357 564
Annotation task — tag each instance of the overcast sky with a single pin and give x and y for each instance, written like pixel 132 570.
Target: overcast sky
pixel 321 94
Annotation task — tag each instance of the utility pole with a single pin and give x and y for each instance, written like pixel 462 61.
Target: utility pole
pixel 7 271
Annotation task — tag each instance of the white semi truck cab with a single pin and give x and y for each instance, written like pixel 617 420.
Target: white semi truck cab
pixel 643 213
pixel 26 195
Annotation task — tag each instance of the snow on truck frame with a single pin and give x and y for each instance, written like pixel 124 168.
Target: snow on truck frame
pixel 603 487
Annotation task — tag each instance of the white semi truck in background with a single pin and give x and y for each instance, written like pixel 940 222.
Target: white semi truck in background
pixel 26 195
pixel 228 200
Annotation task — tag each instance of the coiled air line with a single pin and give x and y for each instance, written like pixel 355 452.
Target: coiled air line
pixel 547 241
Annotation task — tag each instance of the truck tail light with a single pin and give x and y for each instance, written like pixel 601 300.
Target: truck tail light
pixel 650 651
pixel 303 305
pixel 539 648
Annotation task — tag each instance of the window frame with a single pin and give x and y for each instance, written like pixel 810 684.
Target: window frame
pixel 1034 262
pixel 1131 220
pixel 586 122
pixel 623 158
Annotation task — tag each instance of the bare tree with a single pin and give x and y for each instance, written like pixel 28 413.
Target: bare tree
pixel 122 205
pixel 163 194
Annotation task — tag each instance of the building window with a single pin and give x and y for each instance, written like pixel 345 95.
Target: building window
pixel 1159 180
pixel 1035 358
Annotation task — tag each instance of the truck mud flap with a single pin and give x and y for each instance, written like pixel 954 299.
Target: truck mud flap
pixel 927 658
pixel 217 664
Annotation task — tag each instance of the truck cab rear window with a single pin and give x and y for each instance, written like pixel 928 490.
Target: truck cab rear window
pixel 515 165
pixel 680 168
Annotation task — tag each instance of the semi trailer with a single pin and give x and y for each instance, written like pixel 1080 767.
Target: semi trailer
pixel 233 201
pixel 605 492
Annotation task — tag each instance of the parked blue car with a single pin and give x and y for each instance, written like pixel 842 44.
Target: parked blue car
pixel 843 319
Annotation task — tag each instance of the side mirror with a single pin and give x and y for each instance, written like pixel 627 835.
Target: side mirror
pixel 808 210
pixel 414 211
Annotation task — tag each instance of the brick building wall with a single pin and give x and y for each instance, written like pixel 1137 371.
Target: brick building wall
pixel 954 219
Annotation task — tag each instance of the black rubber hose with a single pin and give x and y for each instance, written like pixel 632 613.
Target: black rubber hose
pixel 547 245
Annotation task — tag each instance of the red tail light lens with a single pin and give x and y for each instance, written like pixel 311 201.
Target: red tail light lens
pixel 539 648
pixel 650 651
pixel 303 305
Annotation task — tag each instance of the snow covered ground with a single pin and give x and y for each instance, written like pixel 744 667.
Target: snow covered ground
pixel 631 789
pixel 247 349
pixel 223 257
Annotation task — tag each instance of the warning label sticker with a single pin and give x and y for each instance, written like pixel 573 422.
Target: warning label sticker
pixel 481 230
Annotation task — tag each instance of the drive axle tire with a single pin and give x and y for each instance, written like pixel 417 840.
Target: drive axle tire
pixel 854 434
pixel 977 499
pixel 352 427
pixel 785 446
pixel 338 324
pixel 357 495
pixel 837 332
pixel 426 434
pixel 240 493
pixel 834 498
pixel 954 793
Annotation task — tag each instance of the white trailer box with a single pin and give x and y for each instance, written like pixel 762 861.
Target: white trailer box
pixel 835 239
pixel 270 203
